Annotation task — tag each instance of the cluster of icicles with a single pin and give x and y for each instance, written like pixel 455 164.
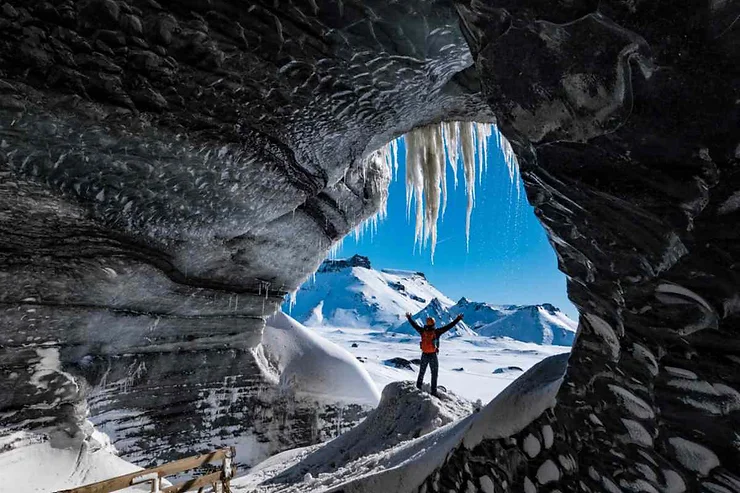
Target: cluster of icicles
pixel 428 150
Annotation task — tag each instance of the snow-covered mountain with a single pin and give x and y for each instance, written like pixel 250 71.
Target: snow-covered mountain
pixel 541 324
pixel 350 293
pixel 479 314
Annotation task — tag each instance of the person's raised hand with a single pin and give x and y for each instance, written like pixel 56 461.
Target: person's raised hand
pixel 408 315
pixel 460 317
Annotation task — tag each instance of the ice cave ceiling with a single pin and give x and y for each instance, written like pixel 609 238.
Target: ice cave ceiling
pixel 169 170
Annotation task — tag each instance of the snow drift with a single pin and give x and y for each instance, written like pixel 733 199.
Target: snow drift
pixel 63 462
pixel 312 367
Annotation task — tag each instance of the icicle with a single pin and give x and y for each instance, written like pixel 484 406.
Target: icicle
pixel 483 132
pixel 335 248
pixel 292 297
pixel 468 159
pixel 452 146
pixel 394 157
pixel 440 154
pixel 425 179
pixel 415 153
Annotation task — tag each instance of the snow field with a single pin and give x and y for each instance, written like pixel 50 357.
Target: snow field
pixel 478 357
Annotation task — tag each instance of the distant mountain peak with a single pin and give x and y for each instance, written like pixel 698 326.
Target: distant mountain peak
pixel 436 303
pixel 334 265
pixel 348 292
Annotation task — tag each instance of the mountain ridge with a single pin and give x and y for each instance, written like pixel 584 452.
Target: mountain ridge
pixel 349 292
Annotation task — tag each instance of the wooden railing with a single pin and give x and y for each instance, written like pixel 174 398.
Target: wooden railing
pixel 154 475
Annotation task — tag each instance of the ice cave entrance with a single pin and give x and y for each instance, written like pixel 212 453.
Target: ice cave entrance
pixel 456 236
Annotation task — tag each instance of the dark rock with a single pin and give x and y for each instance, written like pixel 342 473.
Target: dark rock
pixel 111 38
pixel 9 11
pixel 137 41
pixel 32 55
pixel 161 29
pixel 67 16
pixel 458 369
pixel 74 40
pixel 103 48
pixel 144 60
pixel 11 103
pixel 98 62
pixel 100 12
pixel 149 99
pixel 337 265
pixel 400 363
pixel 109 88
pixel 47 12
pixel 507 369
pixel 131 25
pixel 354 344
pixel 7 87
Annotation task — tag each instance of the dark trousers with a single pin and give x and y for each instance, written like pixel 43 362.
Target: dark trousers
pixel 428 359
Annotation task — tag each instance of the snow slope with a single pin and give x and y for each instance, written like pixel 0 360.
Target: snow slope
pixel 404 466
pixel 349 293
pixel 314 367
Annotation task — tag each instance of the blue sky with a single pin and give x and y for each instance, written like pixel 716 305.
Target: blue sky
pixel 510 260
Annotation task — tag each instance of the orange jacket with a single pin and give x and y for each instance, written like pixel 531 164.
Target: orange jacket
pixel 430 336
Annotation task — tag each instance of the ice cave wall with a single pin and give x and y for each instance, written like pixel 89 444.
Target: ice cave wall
pixel 167 173
pixel 626 122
